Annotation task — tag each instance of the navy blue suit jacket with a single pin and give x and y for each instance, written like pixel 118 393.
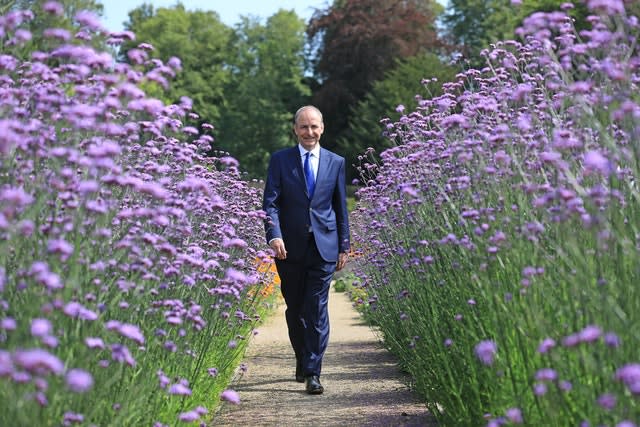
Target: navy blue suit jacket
pixel 291 213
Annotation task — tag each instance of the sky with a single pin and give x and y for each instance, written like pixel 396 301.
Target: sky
pixel 117 11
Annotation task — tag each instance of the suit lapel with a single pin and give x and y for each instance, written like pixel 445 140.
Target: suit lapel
pixel 323 165
pixel 296 169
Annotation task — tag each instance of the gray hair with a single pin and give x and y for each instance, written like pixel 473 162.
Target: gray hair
pixel 306 107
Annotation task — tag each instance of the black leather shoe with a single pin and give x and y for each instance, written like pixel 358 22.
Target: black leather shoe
pixel 299 373
pixel 313 385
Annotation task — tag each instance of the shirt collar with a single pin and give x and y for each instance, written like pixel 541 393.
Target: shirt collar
pixel 315 151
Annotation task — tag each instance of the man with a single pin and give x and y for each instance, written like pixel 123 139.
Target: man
pixel 307 227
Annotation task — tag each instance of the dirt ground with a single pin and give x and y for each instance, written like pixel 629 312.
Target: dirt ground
pixel 363 385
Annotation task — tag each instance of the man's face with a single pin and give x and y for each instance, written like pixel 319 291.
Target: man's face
pixel 308 129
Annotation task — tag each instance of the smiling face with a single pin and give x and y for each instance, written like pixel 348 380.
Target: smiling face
pixel 308 128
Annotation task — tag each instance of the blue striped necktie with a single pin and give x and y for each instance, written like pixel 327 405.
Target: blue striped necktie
pixel 308 174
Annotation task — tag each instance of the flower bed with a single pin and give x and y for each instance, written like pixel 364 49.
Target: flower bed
pixel 127 291
pixel 501 234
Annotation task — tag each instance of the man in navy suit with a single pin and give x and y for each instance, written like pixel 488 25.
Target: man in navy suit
pixel 307 227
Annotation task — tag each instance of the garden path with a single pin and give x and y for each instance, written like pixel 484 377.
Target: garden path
pixel 363 384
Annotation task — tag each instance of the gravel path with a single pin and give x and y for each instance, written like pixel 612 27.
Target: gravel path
pixel 363 385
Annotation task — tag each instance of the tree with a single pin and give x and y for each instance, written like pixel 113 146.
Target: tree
pixel 404 85
pixel 472 25
pixel 199 39
pixel 266 86
pixel 356 42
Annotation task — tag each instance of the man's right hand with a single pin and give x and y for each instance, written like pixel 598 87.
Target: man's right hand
pixel 278 248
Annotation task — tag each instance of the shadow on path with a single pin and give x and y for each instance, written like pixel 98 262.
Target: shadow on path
pixel 363 385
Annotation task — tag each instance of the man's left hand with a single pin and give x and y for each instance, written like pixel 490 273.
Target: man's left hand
pixel 342 260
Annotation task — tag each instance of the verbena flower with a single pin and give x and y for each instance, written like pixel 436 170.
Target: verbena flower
pixel 486 351
pixel 79 381
pixel 230 396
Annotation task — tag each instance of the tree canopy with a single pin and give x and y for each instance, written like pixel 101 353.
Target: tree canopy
pixel 199 39
pixel 265 88
pixel 472 25
pixel 402 88
pixel 355 43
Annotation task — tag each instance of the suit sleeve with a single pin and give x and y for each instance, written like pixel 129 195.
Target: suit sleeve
pixel 340 207
pixel 271 200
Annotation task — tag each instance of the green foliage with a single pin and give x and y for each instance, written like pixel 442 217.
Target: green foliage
pixel 356 42
pixel 247 81
pixel 264 89
pixel 200 40
pixel 405 85
pixel 344 282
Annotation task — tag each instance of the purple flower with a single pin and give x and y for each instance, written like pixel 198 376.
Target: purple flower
pixel 76 310
pixel 594 161
pixel 546 345
pixel 565 385
pixel 72 418
pixel 6 365
pixel 40 327
pixel 53 7
pixel 612 340
pixel 61 247
pixel 230 396
pixel 8 324
pixel 607 7
pixel 629 374
pixel 180 389
pixel 590 333
pixel 132 332
pixel 15 196
pixel 189 416
pixel 93 342
pixel 50 341
pixel 571 340
pixel 175 63
pixel 41 398
pixel 88 19
pixel 486 351
pixel 607 401
pixel 546 374
pixel 79 381
pixel 514 415
pixel 120 353
pixel 57 33
pixel 163 380
pixel 38 361
pixel 539 389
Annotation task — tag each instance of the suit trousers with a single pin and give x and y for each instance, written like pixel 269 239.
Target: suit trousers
pixel 305 287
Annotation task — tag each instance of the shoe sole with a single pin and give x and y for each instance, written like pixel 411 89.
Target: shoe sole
pixel 316 391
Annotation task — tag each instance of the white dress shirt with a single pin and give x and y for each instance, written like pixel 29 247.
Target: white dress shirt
pixel 314 159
